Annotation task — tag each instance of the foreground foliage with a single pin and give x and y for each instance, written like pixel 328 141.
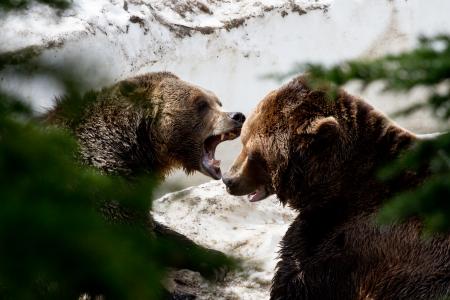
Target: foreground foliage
pixel 22 4
pixel 54 242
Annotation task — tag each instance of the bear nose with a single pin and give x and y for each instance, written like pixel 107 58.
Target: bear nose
pixel 227 180
pixel 238 117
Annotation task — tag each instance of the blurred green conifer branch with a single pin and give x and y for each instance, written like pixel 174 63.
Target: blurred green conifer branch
pixel 23 4
pixel 54 242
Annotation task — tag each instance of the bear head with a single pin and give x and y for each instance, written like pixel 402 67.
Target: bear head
pixel 186 121
pixel 308 145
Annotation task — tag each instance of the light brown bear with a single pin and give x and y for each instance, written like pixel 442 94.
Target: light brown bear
pixel 150 123
pixel 320 156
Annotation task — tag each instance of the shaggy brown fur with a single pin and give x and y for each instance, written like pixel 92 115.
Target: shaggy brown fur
pixel 320 157
pixel 151 123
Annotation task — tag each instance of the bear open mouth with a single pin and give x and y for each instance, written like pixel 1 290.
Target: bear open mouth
pixel 259 194
pixel 209 165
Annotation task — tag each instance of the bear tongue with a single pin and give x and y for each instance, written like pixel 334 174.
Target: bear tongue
pixel 212 166
pixel 257 195
pixel 215 163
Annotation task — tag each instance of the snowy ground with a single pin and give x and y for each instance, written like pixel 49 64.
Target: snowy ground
pixel 233 225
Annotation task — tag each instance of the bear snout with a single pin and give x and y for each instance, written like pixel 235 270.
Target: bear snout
pixel 227 180
pixel 230 183
pixel 233 185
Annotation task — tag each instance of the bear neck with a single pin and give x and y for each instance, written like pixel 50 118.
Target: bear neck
pixel 361 196
pixel 117 138
pixel 378 143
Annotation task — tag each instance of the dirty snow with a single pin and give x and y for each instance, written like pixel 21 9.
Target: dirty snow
pixel 41 25
pixel 233 225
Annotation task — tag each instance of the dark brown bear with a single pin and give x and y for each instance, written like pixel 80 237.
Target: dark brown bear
pixel 151 123
pixel 320 156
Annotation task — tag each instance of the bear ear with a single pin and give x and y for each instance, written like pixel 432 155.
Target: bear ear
pixel 324 128
pixel 128 86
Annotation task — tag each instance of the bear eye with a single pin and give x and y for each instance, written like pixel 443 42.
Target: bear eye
pixel 202 105
pixel 254 156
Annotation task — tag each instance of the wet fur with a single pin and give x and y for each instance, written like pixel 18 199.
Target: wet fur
pixel 322 157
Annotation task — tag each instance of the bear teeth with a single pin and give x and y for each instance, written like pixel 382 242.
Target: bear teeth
pixel 228 136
